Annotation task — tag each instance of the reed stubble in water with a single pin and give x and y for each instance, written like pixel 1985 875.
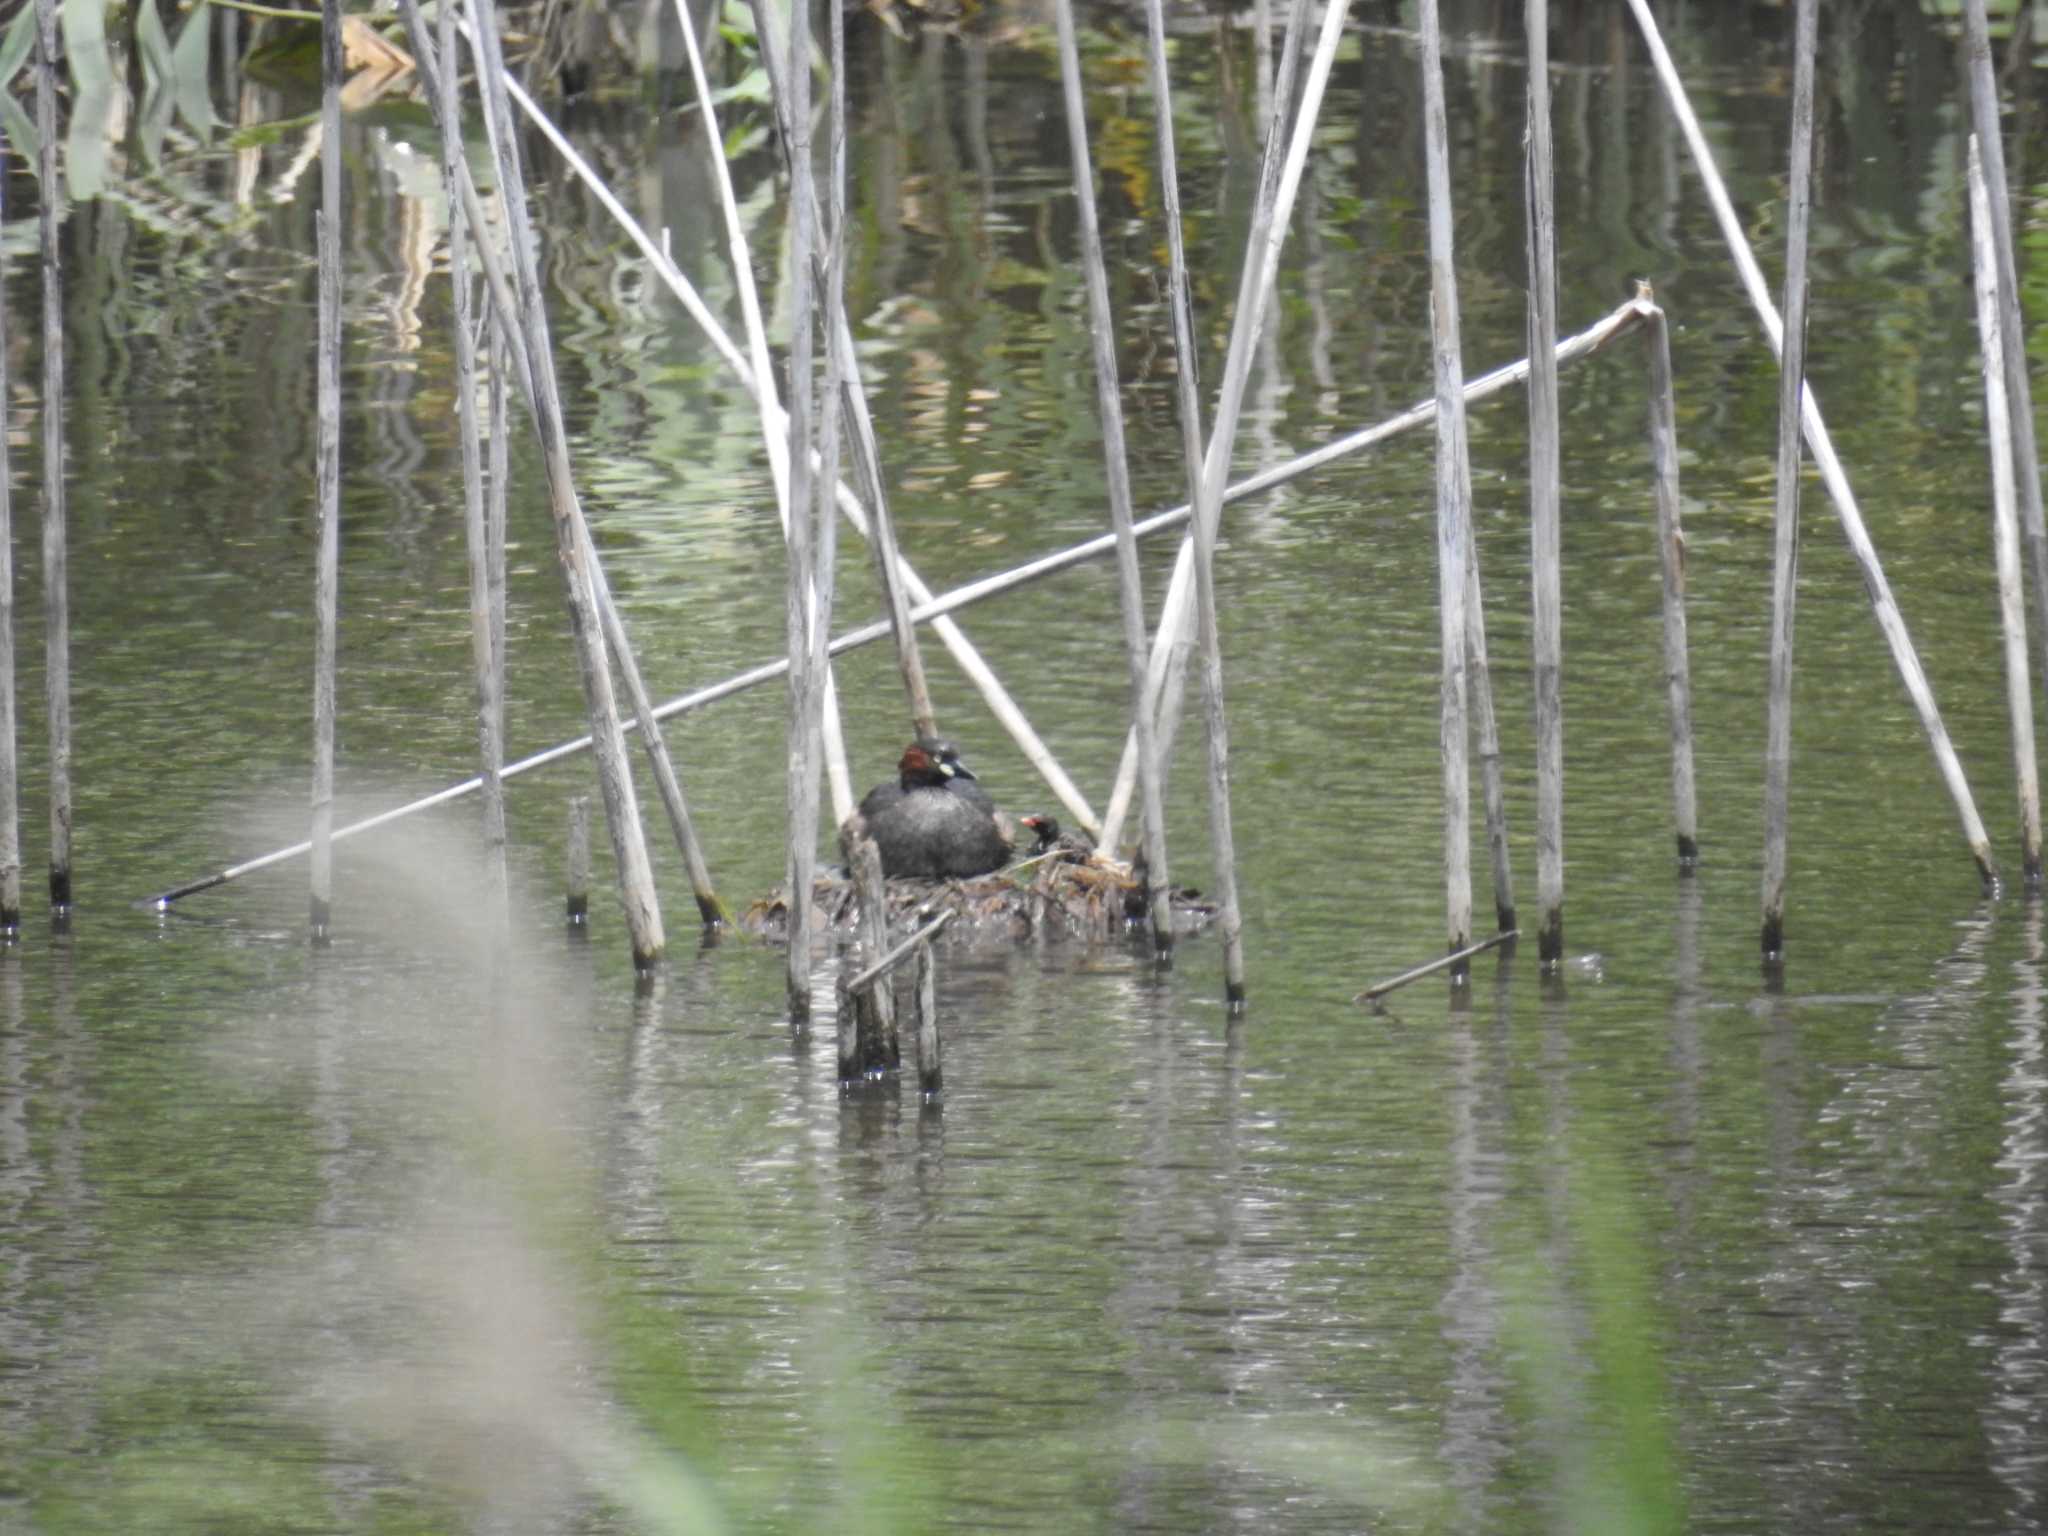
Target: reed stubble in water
pixel 872 1045
pixel 615 781
pixel 1130 589
pixel 576 877
pixel 1890 622
pixel 2005 522
pixel 327 474
pixel 1671 557
pixel 56 582
pixel 2019 389
pixel 1785 550
pixel 1229 916
pixel 10 767
pixel 1546 582
pixel 1453 503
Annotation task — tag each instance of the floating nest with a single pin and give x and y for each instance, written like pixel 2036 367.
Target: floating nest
pixel 1064 894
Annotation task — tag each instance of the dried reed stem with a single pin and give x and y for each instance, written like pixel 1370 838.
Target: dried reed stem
pixel 1130 587
pixel 1229 916
pixel 2005 522
pixel 56 585
pixel 1889 620
pixel 1545 524
pixel 1785 555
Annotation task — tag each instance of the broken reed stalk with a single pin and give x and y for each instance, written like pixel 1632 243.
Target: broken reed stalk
pixel 874 1046
pixel 900 950
pixel 56 598
pixel 576 903
pixel 10 768
pixel 476 531
pixel 1486 732
pixel 931 1077
pixel 801 782
pixel 1785 555
pixel 1279 181
pixel 1546 583
pixel 1229 916
pixel 2005 522
pixel 1671 556
pixel 622 811
pixel 327 473
pixel 1130 587
pixel 970 661
pixel 1457 958
pixel 1889 620
pixel 1453 503
pixel 2019 389
pixel 1623 320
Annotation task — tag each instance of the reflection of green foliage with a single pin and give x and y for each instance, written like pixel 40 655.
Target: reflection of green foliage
pixel 1589 1362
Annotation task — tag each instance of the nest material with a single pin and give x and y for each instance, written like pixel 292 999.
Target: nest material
pixel 1065 895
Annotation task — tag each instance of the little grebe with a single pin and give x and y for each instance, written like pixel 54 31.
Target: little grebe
pixel 934 819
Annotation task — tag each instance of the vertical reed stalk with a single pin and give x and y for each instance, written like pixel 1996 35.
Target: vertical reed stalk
pixel 1102 330
pixel 1453 500
pixel 1785 562
pixel 977 670
pixel 1486 731
pixel 2019 387
pixel 327 472
pixel 56 599
pixel 622 811
pixel 576 903
pixel 1545 523
pixel 1886 609
pixel 483 656
pixel 1671 553
pixel 1229 917
pixel 10 775
pixel 875 1007
pixel 801 781
pixel 1279 181
pixel 2005 521
pixel 931 1077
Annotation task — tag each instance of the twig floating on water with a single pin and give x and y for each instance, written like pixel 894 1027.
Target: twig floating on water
pixel 1457 957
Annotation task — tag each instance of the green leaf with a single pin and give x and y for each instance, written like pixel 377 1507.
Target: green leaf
pixel 155 44
pixel 15 46
pixel 20 131
pixel 194 61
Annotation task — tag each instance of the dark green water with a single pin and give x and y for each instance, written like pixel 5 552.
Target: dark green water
pixel 372 1240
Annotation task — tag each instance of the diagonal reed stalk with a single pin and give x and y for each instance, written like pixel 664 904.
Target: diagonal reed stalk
pixel 1629 317
pixel 1279 181
pixel 1785 543
pixel 2019 389
pixel 572 541
pixel 970 661
pixel 2005 521
pixel 1229 916
pixel 1130 588
pixel 484 655
pixel 1891 623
